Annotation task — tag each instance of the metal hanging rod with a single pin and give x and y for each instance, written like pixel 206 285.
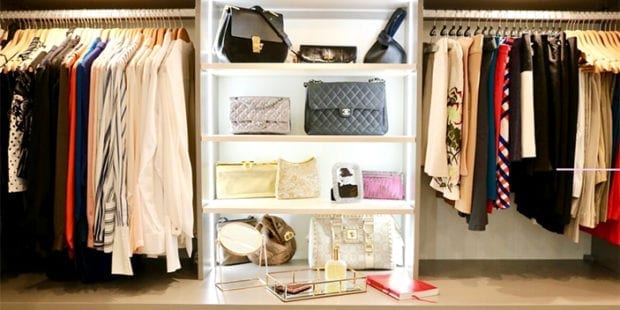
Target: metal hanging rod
pixel 76 14
pixel 522 15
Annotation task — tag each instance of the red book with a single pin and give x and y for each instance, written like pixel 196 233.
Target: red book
pixel 401 286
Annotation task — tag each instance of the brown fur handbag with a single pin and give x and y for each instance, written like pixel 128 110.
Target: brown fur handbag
pixel 280 240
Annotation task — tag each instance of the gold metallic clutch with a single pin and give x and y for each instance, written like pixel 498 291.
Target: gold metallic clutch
pixel 245 179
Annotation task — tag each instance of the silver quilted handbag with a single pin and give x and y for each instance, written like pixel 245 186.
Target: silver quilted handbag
pixel 260 115
pixel 365 241
pixel 345 108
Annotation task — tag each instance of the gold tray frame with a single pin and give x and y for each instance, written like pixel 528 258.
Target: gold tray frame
pixel 354 283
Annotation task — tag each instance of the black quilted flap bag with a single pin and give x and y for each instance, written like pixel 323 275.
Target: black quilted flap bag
pixel 345 108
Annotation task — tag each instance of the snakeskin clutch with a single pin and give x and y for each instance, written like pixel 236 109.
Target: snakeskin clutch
pixel 383 185
pixel 327 54
pixel 260 115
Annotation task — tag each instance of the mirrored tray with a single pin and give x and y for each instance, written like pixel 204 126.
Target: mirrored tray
pixel 309 283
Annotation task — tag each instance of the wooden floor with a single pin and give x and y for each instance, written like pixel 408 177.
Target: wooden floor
pixel 463 284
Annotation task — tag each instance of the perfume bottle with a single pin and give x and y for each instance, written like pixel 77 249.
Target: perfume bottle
pixel 335 269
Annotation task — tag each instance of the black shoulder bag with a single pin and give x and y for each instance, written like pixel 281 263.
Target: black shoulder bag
pixel 386 49
pixel 252 35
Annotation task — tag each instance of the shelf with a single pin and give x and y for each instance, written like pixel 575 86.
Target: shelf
pixel 321 4
pixel 305 69
pixel 307 206
pixel 306 138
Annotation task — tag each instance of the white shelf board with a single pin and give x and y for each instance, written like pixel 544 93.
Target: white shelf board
pixel 307 206
pixel 319 4
pixel 307 138
pixel 305 69
pixel 260 296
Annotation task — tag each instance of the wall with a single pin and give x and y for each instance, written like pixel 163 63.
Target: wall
pixel 606 254
pixel 509 235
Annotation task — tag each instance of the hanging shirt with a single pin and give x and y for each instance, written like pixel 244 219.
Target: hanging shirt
pixel 83 93
pixel 104 213
pixel 427 84
pixel 514 57
pixel 478 218
pixel 135 86
pixel 93 87
pixel 502 116
pixel 465 43
pixel 436 162
pixel 121 251
pixel 175 92
pixel 449 185
pixel 467 181
pixel 491 180
pixel 528 125
pixel 149 178
pixel 20 120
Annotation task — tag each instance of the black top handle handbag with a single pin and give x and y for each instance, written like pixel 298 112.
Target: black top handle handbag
pixel 386 49
pixel 252 35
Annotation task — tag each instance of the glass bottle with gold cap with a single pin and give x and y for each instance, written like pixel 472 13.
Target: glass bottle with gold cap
pixel 335 269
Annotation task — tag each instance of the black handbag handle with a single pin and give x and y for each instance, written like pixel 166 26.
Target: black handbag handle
pixel 386 35
pixel 396 20
pixel 279 31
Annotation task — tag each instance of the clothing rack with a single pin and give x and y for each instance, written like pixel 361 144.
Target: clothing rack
pixel 522 15
pixel 99 13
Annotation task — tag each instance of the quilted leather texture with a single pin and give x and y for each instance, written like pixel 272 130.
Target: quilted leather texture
pixel 346 108
pixel 297 180
pixel 321 243
pixel 383 185
pixel 260 115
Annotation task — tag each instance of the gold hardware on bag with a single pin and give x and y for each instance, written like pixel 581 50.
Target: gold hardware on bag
pixel 289 235
pixel 351 234
pixel 328 55
pixel 256 45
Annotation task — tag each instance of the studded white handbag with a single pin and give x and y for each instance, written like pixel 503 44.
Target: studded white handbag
pixel 365 241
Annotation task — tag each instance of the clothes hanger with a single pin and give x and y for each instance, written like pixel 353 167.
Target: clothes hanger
pixel 598 48
pixel 478 29
pixel 585 43
pixel 452 31
pixel 23 44
pixel 468 32
pixel 443 31
pixel 433 31
pixel 459 31
pixel 485 28
pixel 183 34
pixel 161 31
pixel 613 44
pixel 500 30
pixel 174 30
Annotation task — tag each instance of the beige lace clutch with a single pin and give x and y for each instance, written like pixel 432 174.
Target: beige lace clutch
pixel 297 180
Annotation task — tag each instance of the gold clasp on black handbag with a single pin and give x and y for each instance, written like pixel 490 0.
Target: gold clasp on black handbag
pixel 256 45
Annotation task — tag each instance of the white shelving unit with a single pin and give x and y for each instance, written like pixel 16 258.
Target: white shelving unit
pixel 305 206
pixel 348 22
